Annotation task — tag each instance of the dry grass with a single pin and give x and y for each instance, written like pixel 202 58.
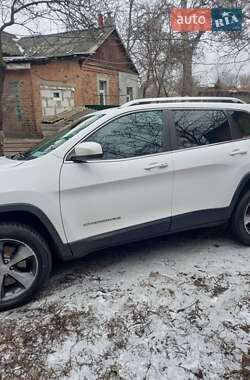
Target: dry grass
pixel 24 346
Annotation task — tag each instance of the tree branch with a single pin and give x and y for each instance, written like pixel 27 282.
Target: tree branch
pixel 14 12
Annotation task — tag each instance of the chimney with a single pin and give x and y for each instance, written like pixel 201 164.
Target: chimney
pixel 101 21
pixel 109 20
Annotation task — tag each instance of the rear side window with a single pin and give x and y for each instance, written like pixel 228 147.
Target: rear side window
pixel 201 127
pixel 242 120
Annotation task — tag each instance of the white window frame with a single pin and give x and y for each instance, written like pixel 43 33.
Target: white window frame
pixel 103 92
pixel 129 96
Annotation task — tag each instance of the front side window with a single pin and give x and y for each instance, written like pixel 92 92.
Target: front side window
pixel 201 127
pixel 132 135
pixel 242 120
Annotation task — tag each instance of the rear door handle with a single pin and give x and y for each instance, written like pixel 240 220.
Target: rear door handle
pixel 156 165
pixel 238 152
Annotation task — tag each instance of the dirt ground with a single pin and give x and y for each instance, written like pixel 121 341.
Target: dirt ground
pixel 172 308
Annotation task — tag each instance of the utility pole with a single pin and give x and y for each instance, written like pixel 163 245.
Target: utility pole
pixel 187 59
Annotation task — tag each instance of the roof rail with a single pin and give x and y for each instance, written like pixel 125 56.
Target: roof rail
pixel 214 99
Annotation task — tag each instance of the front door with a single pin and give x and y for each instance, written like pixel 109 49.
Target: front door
pixel 129 187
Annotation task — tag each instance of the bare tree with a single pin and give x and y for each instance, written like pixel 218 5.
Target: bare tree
pixel 244 81
pixel 149 42
pixel 227 45
pixel 158 52
pixel 79 14
pixel 229 78
pixel 128 18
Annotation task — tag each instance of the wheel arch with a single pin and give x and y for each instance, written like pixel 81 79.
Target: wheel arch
pixel 34 217
pixel 243 186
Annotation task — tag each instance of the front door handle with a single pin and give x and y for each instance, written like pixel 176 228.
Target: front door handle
pixel 156 165
pixel 238 152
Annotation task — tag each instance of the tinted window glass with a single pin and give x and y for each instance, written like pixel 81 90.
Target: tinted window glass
pixel 242 120
pixel 201 127
pixel 132 135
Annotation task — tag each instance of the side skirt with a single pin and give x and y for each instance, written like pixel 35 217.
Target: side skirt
pixel 200 219
pixel 126 235
pixel 178 223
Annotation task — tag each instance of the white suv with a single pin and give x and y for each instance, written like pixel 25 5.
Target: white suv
pixel 121 175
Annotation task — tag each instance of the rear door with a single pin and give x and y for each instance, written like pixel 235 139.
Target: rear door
pixel 208 166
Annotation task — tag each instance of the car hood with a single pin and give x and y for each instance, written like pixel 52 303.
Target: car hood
pixel 6 163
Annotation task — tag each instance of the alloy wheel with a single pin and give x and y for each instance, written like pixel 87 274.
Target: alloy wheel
pixel 18 268
pixel 247 218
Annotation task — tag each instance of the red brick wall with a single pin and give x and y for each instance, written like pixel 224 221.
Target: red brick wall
pixel 62 71
pixel 18 111
pixel 112 54
pixel 23 104
pixel 82 76
pixel 109 59
pixel 90 76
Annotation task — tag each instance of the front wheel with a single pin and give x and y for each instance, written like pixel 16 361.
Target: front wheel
pixel 25 264
pixel 241 219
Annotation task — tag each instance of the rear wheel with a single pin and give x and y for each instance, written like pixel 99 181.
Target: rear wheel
pixel 241 219
pixel 25 264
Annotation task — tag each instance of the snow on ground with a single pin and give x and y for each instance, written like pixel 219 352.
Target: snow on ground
pixel 172 308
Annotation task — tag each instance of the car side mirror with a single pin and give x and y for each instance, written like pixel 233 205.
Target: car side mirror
pixel 87 151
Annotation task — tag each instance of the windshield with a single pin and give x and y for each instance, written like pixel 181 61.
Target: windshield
pixel 48 145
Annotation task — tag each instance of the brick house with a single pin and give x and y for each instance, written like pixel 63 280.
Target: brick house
pixel 48 74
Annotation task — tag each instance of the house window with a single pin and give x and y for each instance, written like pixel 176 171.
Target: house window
pixel 103 92
pixel 56 95
pixel 130 94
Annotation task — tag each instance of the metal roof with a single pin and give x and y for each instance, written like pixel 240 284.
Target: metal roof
pixel 67 44
pixel 63 44
pixel 52 45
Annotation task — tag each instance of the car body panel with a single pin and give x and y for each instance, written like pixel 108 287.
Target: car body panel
pixel 206 177
pixel 35 183
pixel 92 201
pixel 104 196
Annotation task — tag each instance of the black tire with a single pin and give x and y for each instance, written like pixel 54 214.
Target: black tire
pixel 238 224
pixel 32 240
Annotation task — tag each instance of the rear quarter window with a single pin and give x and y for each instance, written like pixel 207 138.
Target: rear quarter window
pixel 242 121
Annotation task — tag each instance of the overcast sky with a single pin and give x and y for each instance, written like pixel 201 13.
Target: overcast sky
pixel 214 66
